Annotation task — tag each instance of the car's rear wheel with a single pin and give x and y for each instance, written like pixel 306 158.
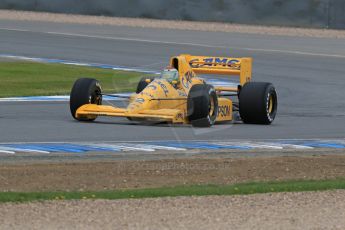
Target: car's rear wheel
pixel 143 83
pixel 258 103
pixel 202 105
pixel 85 91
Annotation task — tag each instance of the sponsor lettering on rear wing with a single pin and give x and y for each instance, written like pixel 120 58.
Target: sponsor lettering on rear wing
pixel 241 67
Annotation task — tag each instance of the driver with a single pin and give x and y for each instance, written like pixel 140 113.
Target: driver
pixel 170 74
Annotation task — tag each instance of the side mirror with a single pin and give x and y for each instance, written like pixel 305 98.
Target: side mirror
pixel 174 82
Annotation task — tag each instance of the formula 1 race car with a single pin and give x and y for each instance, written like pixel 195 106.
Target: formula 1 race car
pixel 179 96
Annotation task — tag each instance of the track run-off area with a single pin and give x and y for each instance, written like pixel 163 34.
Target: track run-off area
pixel 307 72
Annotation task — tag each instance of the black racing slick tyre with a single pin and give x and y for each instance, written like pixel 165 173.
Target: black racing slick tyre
pixel 258 103
pixel 202 105
pixel 85 91
pixel 142 84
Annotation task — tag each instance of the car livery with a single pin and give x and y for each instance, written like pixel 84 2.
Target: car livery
pixel 186 99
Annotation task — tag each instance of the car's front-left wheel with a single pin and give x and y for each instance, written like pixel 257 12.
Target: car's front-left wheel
pixel 85 91
pixel 144 81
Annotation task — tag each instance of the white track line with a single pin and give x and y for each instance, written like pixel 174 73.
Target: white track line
pixel 31 151
pixel 38 98
pixel 261 145
pixel 292 146
pixel 108 146
pixel 161 147
pixel 181 43
pixel 7 152
pixel 296 146
pixel 14 149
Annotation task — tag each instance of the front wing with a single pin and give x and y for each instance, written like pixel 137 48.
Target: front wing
pixel 170 115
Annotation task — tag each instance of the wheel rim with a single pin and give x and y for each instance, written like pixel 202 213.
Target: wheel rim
pixel 270 104
pixel 96 97
pixel 211 107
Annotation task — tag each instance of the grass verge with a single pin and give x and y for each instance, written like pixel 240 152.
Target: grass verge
pixel 195 190
pixel 32 79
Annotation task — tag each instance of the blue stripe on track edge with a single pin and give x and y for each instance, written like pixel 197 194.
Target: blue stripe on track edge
pixel 169 145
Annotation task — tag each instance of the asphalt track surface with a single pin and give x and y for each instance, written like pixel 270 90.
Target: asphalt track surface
pixel 309 74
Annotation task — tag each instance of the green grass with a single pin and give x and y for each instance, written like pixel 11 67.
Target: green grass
pixel 36 79
pixel 195 190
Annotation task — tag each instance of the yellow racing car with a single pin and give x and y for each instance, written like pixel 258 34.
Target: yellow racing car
pixel 178 95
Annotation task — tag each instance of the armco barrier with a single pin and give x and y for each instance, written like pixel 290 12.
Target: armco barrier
pixel 302 13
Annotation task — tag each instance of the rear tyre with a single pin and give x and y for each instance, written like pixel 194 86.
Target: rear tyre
pixel 142 84
pixel 85 91
pixel 202 105
pixel 258 103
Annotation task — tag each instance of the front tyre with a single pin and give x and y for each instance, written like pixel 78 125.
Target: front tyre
pixel 85 91
pixel 142 83
pixel 202 105
pixel 258 103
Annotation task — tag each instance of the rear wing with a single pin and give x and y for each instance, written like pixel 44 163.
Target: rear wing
pixel 241 67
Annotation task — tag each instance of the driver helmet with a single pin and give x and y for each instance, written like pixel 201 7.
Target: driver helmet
pixel 170 74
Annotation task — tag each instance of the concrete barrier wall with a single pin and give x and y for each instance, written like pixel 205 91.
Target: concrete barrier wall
pixel 304 13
